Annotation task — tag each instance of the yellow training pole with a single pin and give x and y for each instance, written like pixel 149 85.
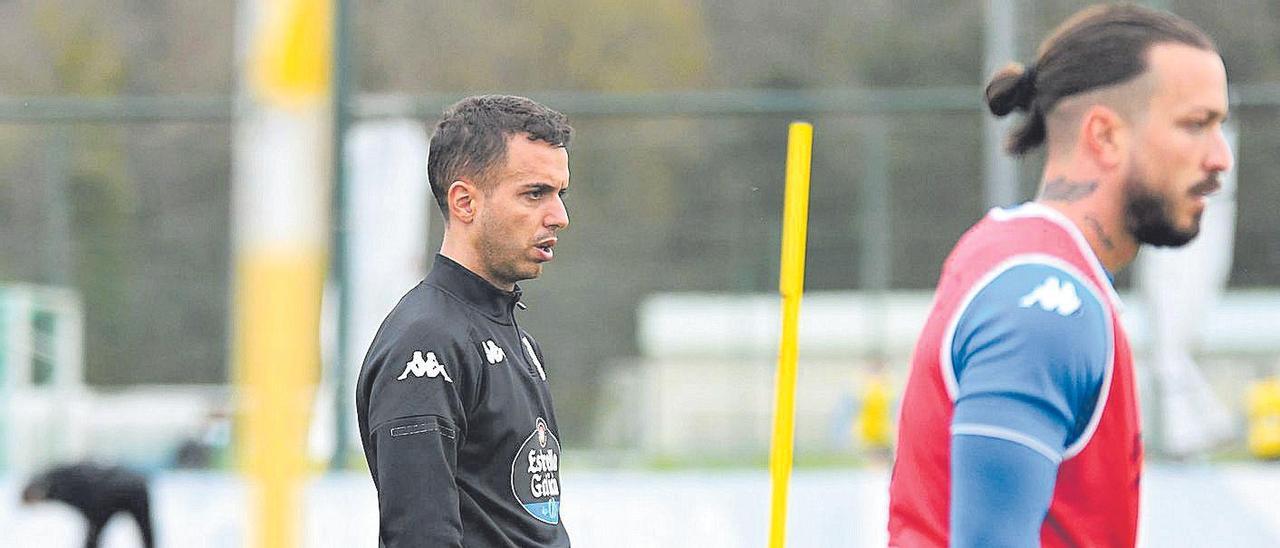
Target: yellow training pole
pixel 280 212
pixel 795 225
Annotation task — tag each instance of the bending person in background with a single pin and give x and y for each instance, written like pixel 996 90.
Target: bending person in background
pixel 98 492
pixel 1019 422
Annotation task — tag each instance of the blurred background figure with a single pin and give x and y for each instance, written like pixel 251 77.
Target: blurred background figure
pixel 209 447
pixel 1263 411
pixel 1181 287
pixel 99 492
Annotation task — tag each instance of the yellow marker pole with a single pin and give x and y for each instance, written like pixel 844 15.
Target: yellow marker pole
pixel 795 223
pixel 280 215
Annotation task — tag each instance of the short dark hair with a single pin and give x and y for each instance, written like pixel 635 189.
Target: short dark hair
pixel 471 139
pixel 1099 46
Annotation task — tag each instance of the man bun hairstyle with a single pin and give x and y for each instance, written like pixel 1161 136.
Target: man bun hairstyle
pixel 1100 46
pixel 470 141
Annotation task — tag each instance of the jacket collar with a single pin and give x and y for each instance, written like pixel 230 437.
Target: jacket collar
pixel 473 290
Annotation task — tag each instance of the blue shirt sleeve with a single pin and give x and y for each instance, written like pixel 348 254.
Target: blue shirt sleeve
pixel 1000 493
pixel 1029 356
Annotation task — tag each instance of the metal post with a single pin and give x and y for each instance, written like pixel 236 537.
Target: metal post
pixel 874 228
pixel 1000 171
pixel 57 250
pixel 7 363
pixel 342 65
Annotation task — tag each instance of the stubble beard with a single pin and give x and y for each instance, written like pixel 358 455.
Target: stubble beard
pixel 1148 218
pixel 500 254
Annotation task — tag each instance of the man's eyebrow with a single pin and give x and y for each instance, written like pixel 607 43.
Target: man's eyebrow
pixel 543 183
pixel 1210 113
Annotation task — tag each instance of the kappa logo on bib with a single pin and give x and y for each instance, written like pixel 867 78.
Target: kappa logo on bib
pixel 535 474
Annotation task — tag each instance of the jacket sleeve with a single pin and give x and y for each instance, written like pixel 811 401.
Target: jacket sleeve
pixel 417 421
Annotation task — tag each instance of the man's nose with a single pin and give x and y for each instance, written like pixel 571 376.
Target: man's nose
pixel 558 217
pixel 1220 157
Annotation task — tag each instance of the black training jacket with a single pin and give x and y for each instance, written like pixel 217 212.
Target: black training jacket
pixel 456 420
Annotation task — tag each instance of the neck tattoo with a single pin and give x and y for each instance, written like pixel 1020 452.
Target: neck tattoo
pixel 1102 234
pixel 1062 190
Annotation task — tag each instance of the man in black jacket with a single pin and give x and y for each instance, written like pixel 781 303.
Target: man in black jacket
pixel 453 404
pixel 98 492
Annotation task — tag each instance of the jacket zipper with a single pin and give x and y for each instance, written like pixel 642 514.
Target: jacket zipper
pixel 528 361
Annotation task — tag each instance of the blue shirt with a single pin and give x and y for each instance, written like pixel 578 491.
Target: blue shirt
pixel 1029 356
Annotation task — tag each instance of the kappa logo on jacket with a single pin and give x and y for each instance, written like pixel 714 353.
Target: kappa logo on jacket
pixel 493 353
pixel 1054 295
pixel 429 366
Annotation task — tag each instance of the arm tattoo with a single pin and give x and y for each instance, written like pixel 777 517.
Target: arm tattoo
pixel 1062 190
pixel 1102 235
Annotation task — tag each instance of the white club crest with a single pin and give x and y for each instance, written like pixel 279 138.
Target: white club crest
pixel 541 431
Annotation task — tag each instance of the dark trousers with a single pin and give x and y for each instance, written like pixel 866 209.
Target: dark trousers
pixel 134 504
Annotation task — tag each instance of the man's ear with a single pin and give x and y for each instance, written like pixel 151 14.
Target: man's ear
pixel 463 200
pixel 1105 135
